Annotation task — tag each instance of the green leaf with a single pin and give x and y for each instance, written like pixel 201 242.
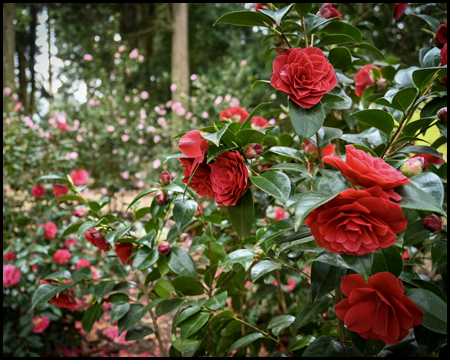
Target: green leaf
pixel 279 323
pixel 138 332
pixel 309 311
pixel 419 149
pixel 368 347
pixel 102 289
pixel 432 58
pixel 248 136
pixel 433 22
pixel 401 101
pixel 187 286
pixel 169 306
pixel 45 292
pixel 88 225
pixel 217 302
pixel 417 199
pixel 371 48
pixel 242 215
pixel 118 298
pixel 313 23
pixel 90 317
pixel 288 152
pixel 238 256
pixel 372 135
pixel 325 346
pixel 340 27
pixel 417 125
pixel 148 239
pixel 439 254
pixel 330 185
pixel 53 177
pixel 71 198
pixel 113 236
pixel 214 152
pixel 274 183
pixel 62 274
pixel 181 263
pixel 423 78
pixel 145 257
pixel 133 315
pixel 433 307
pixel 244 18
pixel 306 122
pixel 141 195
pixel 303 8
pixel 337 99
pixel 183 212
pixel 84 273
pixel 326 134
pixel 118 311
pixel 324 278
pixel 163 288
pixel 307 203
pixel 335 39
pixel 247 124
pixel 379 119
pixel 428 341
pixel 193 324
pixel 150 306
pixel 360 264
pixel 416 233
pixel 71 229
pixel 260 82
pixel 279 15
pixel 431 184
pixel 185 345
pixel 263 267
pixel 387 259
pixel 215 137
pixel 290 167
pixel 245 341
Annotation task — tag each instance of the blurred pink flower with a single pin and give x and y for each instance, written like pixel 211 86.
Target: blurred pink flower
pixel 140 126
pixel 126 175
pixel 122 48
pixel 135 99
pixel 173 87
pixel 151 129
pixel 87 57
pixel 15 96
pixel 228 97
pixel 115 151
pixel 104 191
pixel 117 55
pixel 282 116
pixel 235 102
pixel 143 114
pixel 140 184
pixel 272 122
pixel 188 115
pixel 141 58
pixel 8 121
pixel 193 77
pixel 144 95
pixel 243 63
pixel 135 91
pixel 169 104
pixel 91 102
pixel 218 100
pixel 122 122
pixel 134 54
pixel 156 164
pixel 125 138
pixel 76 124
pixel 7 91
pixel 79 138
pixel 18 106
pixel 110 128
pixel 156 139
pixel 128 70
pixel 111 332
pixel 162 122
pixel 181 111
pixel 205 114
pixel 127 98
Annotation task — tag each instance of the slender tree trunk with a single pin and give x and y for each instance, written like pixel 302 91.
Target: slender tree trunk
pixel 50 73
pixel 33 25
pixel 8 51
pixel 180 61
pixel 22 65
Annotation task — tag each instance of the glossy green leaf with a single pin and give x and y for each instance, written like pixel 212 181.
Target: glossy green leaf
pixel 187 286
pixel 306 122
pixel 193 324
pixel 324 278
pixel 325 346
pixel 53 177
pixel 387 259
pixel 245 341
pixel 45 292
pixel 368 347
pixel 330 185
pixel 288 152
pixel 185 345
pixel 379 119
pixel 423 78
pixel 274 183
pixel 335 39
pixel 91 316
pixel 217 302
pixel 303 8
pixel 181 263
pixel 401 101
pixel 261 82
pixel 307 203
pixel 215 137
pixel 431 184
pixel 432 58
pixel 262 268
pixel 341 58
pixel 279 323
pixel 433 22
pixel 309 311
pixel 118 311
pixel 133 315
pixel 163 288
pixel 102 289
pixel 183 212
pixel 439 254
pixel 238 256
pixel 242 215
pixel 113 236
pixel 71 198
pixel 71 229
pixel 148 239
pixel 138 332
pixel 142 194
pixel 415 198
pixel 416 233
pixel 291 167
pixel 145 257
pixel 118 298
pixel 326 134
pixel 168 306
pixel 88 225
pixel 244 18
pixel 280 15
pixel 247 124
pixel 361 264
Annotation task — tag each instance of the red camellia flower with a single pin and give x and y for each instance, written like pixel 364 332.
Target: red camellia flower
pixel 444 59
pixel 429 159
pixel 433 224
pixel 279 214
pixel 60 190
pixel 79 177
pixel 63 126
pixel 61 256
pixel 304 74
pixel 82 263
pixel 259 123
pixel 40 324
pixel 11 275
pixel 312 151
pixel 399 9
pixel 200 182
pixel 37 191
pixel 364 78
pixel 327 11
pixel 65 299
pixel 164 248
pixel 70 242
pixel 97 239
pixel 10 256
pixel 50 230
pixel 229 178
pixel 124 251
pixel 80 213
pixel 191 144
pixel 441 34
pixel 365 170
pixel 234 113
pixel 357 222
pixel 379 309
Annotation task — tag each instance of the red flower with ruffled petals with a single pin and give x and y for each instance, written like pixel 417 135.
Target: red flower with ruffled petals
pixel 441 34
pixel 40 324
pixel 430 159
pixel 327 11
pixel 60 190
pixel 379 309
pixel 97 239
pixel 364 78
pixel 200 182
pixel 259 123
pixel 50 230
pixel 79 177
pixel 234 113
pixel 61 256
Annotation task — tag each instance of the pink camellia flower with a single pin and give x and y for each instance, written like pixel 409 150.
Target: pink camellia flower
pixel 399 9
pixel 259 123
pixel 125 138
pixel 279 214
pixel 194 77
pixel 173 87
pixel 128 70
pixel 151 129
pixel 81 263
pixel 50 230
pixel 126 175
pixel 80 213
pixel 40 324
pixel 141 57
pixel 63 126
pixel 205 114
pixel 68 243
pixel 122 122
pixel 122 48
pixel 110 128
pixel 11 275
pixel 218 100
pixel 405 255
pixel 134 54
pixel 243 63
pixel 156 139
pixel 365 78
pixel 7 91
pixel 111 332
pixel 87 57
pixel 127 98
pixel 79 177
pixel 15 96
pixel 234 113
pixel 144 95
pixel 327 11
pixel 10 256
pixel 37 191
pixel 61 256
pixel 156 164
pixel 18 106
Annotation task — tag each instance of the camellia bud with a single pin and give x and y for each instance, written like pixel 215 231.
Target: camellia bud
pixel 80 213
pixel 253 150
pixel 173 295
pixel 89 299
pixel 165 177
pixel 433 224
pixel 164 248
pixel 413 166
pixel 162 198
pixel 260 252
pixel 443 115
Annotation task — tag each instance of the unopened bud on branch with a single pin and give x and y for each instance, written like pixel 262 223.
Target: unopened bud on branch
pixel 252 151
pixel 413 166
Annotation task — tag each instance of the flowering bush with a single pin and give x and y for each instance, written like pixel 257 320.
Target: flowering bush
pixel 254 246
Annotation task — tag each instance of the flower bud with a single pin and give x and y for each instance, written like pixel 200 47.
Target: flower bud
pixel 80 213
pixel 442 114
pixel 413 166
pixel 433 224
pixel 165 177
pixel 162 198
pixel 173 295
pixel 164 248
pixel 251 151
pixel 89 299
pixel 260 252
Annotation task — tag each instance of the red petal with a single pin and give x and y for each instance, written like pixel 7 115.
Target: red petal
pixel 359 317
pixel 191 144
pixel 350 282
pixel 387 284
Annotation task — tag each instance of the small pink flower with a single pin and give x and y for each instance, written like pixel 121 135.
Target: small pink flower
pixel 151 129
pixel 68 243
pixel 173 87
pixel 235 102
pixel 181 111
pixel 8 121
pixel 122 122
pixel 127 99
pixel 122 48
pixel 104 191
pixel 144 95
pixel 11 275
pixel 135 100
pixel 117 55
pixel 82 263
pixel 18 106
pixel 193 77
pixel 205 114
pixel 156 139
pixel 169 104
pixel 272 122
pixel 79 138
pixel 79 177
pixel 61 256
pixel 128 70
pixel 125 138
pixel 156 164
pixel 134 54
pixel 110 128
pixel 111 332
pixel 126 175
pixel 7 91
pixel 87 57
pixel 141 58
pixel 243 63
pixel 141 141
pixel 115 151
pixel 40 324
pixel 15 96
pixel 218 100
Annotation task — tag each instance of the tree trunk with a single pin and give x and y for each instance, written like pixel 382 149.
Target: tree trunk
pixel 50 73
pixel 33 25
pixel 22 65
pixel 8 51
pixel 180 62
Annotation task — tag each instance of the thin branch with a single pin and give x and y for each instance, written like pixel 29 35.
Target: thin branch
pixel 304 29
pixel 341 327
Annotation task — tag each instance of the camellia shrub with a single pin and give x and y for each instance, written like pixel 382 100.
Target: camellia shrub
pixel 307 242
